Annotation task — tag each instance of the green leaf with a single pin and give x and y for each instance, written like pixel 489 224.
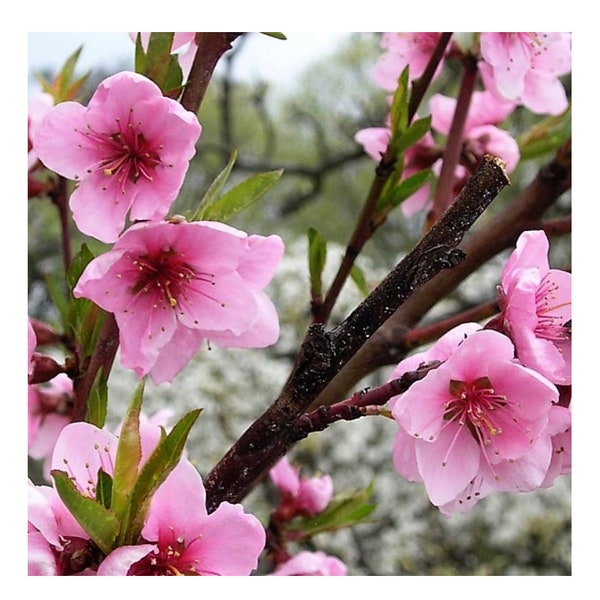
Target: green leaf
pixel 317 256
pixel 154 471
pixel 408 187
pixel 358 276
pixel 128 457
pixel 100 523
pixel 399 108
pixel 242 196
pixel 413 134
pixel 274 34
pixel 97 400
pixel 157 63
pixel 79 262
pixel 104 488
pixel 345 510
pixel 546 136
pixel 215 188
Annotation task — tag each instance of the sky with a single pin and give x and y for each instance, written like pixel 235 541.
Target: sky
pixel 263 57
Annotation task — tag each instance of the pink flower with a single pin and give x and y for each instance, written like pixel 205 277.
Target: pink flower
pixel 173 284
pixel 39 106
pixel 187 540
pixel 481 136
pixel 402 49
pixel 49 411
pixel 128 150
pixel 179 537
pixel 477 423
pixel 421 155
pixel 536 308
pixel 306 495
pixel 525 67
pixel 311 564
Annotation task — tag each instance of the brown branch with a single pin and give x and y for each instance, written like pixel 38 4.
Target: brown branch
pixel 323 354
pixel 211 46
pixel 499 233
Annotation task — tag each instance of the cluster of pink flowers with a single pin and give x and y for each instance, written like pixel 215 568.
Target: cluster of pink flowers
pixel 179 537
pixel 491 417
pixel 515 69
pixel 301 496
pixel 170 284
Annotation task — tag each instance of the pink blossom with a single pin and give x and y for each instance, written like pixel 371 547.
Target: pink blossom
pixel 402 49
pixel 525 67
pixel 477 423
pixel 173 284
pixel 481 136
pixel 49 411
pixel 421 155
pixel 178 537
pixel 187 540
pixel 39 106
pixel 128 151
pixel 307 495
pixel 536 308
pixel 311 564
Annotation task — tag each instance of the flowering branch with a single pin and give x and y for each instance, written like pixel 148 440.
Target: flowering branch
pixel 360 404
pixel 323 354
pixel 498 234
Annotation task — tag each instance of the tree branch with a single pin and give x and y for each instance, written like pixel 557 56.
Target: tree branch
pixel 323 354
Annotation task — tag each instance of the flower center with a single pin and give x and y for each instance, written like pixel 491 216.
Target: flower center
pixel 125 153
pixel 473 405
pixel 551 325
pixel 167 559
pixel 165 273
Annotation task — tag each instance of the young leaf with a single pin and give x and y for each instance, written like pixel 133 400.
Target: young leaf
pixel 317 255
pixel 215 188
pixel 104 488
pixel 399 108
pixel 274 34
pixel 97 401
pixel 152 474
pixel 358 276
pixel 345 510
pixel 100 523
pixel 129 454
pixel 413 134
pixel 409 186
pixel 242 196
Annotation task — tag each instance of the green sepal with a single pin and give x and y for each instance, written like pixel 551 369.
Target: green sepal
pixel 128 456
pixel 317 256
pixel 155 470
pixel 100 523
pixel 345 510
pixel 215 188
pixel 241 196
pixel 97 404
